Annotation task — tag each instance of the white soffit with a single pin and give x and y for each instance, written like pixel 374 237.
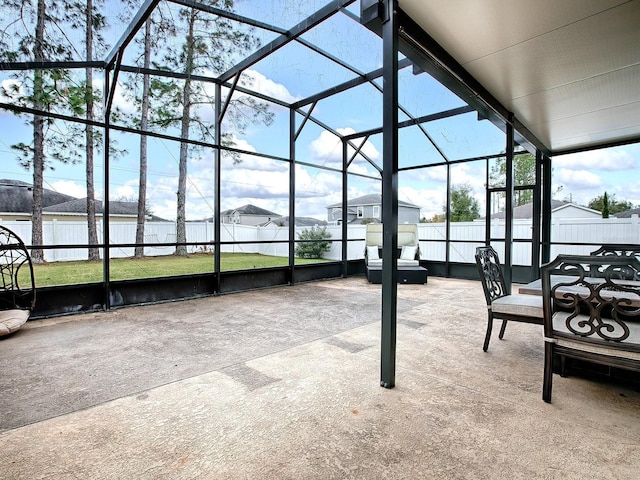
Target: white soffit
pixel 568 69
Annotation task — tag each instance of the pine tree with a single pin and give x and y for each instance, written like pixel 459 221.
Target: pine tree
pixel 209 45
pixel 43 90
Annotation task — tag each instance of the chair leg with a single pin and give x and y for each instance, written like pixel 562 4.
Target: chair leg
pixel 502 328
pixel 547 382
pixel 487 336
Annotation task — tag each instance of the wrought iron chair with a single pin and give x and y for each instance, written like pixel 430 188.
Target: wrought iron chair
pixel 500 305
pixel 596 319
pixel 17 290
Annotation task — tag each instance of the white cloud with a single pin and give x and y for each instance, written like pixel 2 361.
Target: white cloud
pixel 13 87
pixel 327 149
pixel 120 100
pixel 430 201
pixel 69 187
pixel 259 83
pixel 127 192
pixel 612 159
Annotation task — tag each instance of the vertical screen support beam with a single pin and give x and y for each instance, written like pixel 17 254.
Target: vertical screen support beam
pixel 217 158
pixel 105 220
pixel 537 206
pixel 345 231
pixel 110 87
pixel 488 202
pixel 508 227
pixel 546 209
pixel 447 219
pixel 389 193
pixel 292 193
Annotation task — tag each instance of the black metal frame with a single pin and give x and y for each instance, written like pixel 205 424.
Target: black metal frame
pixel 399 34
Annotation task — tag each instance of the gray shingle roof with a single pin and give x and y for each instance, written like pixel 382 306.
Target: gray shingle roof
pixel 250 210
pixel 627 213
pixel 300 221
pixel 79 205
pixel 17 197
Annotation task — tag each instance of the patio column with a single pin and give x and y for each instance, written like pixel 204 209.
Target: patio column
pixel 389 192
pixel 217 160
pixel 546 209
pixel 509 191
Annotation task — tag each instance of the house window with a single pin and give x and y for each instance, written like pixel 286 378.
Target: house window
pixel 376 211
pixel 360 211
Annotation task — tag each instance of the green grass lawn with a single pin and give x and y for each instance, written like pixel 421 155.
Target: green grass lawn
pixel 64 273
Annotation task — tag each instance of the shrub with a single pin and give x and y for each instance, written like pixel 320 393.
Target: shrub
pixel 316 248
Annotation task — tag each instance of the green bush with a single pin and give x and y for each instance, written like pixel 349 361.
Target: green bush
pixel 316 248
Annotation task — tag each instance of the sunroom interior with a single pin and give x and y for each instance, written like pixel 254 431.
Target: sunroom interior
pixel 343 98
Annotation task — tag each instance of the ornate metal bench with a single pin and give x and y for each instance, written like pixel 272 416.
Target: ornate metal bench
pixel 592 318
pixel 17 287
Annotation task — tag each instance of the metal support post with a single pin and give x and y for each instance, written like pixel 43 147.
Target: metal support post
pixel 389 193
pixel 217 158
pixel 508 227
pixel 537 208
pixel 546 209
pixel 345 179
pixel 292 193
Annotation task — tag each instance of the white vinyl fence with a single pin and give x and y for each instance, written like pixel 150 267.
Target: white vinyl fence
pixel 432 246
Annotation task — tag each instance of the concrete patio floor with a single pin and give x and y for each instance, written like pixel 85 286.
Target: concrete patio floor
pixel 283 384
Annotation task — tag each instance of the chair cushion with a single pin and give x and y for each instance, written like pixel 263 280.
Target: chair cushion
pixel 408 263
pixel 598 349
pixel 408 252
pixel 560 325
pixel 372 252
pixel 12 320
pixel 376 262
pixel 525 305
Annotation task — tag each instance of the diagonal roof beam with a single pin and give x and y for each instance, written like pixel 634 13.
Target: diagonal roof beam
pixel 229 15
pixel 202 78
pixel 50 65
pixel 366 78
pixel 143 14
pixel 302 27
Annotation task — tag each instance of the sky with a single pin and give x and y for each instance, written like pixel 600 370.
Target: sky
pixel 294 73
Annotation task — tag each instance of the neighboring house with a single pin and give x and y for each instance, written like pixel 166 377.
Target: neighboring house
pixel 16 203
pixel 627 213
pixel 559 209
pixel 247 215
pixel 299 222
pixel 369 208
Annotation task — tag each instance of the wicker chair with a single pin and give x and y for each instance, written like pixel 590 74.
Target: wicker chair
pixel 500 305
pixel 17 287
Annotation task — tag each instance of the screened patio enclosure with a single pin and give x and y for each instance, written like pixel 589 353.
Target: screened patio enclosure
pixel 323 102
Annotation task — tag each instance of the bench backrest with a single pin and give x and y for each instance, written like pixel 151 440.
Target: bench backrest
pixel 407 234
pixel 602 310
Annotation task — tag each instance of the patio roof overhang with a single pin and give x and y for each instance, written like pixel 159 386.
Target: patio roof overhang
pixel 569 72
